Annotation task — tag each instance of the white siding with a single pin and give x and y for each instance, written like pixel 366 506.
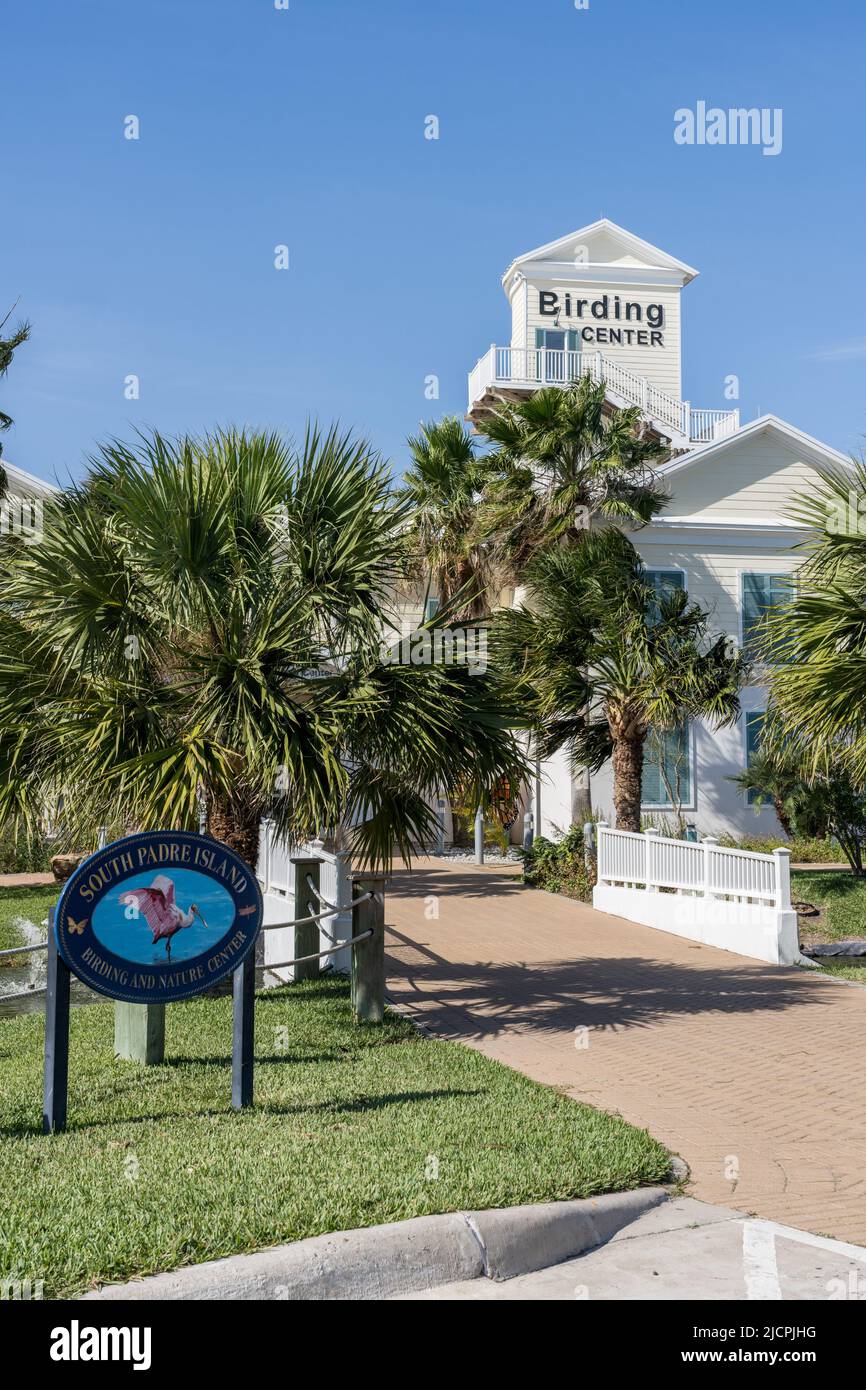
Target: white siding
pixel 660 365
pixel 754 480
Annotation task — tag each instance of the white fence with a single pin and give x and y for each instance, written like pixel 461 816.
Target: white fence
pixel 276 874
pixel 730 898
pixel 556 366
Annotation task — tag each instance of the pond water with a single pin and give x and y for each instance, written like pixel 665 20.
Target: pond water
pixel 28 978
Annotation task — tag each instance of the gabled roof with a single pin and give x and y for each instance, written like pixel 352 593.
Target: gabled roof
pixel 634 246
pixel 23 484
pixel 765 424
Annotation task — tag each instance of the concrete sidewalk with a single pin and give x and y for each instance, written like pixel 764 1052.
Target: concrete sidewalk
pixel 686 1250
pixel 753 1073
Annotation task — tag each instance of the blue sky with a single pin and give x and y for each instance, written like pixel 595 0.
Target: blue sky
pixel 306 128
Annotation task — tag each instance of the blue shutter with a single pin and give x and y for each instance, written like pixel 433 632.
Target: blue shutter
pixel 760 593
pixel 573 340
pixel 672 746
pixel 663 582
pixel 431 608
pixel 540 336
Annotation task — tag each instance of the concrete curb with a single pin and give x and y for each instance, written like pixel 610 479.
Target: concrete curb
pixel 380 1261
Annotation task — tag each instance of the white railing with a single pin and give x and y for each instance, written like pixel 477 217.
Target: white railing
pixel 655 862
pixel 533 367
pixel 276 874
pixel 730 898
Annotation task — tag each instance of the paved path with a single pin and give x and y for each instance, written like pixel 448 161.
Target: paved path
pixel 753 1073
pixel 26 880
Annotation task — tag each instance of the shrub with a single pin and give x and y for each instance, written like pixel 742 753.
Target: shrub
pixel 804 850
pixel 22 855
pixel 558 866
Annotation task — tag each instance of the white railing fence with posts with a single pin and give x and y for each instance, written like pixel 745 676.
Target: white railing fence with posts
pixel 532 367
pixel 730 898
pixel 276 874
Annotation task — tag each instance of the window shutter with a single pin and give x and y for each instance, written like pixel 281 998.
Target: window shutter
pixel 677 761
pixel 761 592
pixel 540 334
pixel 573 340
pixel 651 786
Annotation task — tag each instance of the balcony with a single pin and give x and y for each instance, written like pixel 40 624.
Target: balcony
pixel 506 373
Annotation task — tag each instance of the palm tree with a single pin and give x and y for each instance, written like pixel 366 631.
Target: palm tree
pixel 814 645
pixel 203 622
pixel 602 659
pixel 443 486
pixel 774 779
pixel 8 347
pixel 561 460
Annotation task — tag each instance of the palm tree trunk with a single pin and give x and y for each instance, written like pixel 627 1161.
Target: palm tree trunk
pixel 782 816
pixel 236 824
pixel 627 771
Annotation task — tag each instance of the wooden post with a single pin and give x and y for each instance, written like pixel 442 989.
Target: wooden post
pixel 306 904
pixel 139 1033
pixel 243 1032
pixel 368 956
pixel 56 1037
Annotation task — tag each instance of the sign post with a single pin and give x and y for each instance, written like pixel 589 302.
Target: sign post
pixel 139 1033
pixel 148 920
pixel 56 1036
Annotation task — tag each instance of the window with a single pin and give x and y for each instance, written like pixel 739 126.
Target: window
pixel 760 593
pixel 556 339
pixel 431 608
pixel 667 768
pixel 663 582
pixel 754 725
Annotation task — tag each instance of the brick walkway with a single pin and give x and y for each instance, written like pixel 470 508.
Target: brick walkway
pixel 753 1073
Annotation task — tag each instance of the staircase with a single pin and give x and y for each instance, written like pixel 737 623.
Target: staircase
pixel 516 372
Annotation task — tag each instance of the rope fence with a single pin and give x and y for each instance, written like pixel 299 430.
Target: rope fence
pixel 20 950
pixel 331 911
pixel 299 960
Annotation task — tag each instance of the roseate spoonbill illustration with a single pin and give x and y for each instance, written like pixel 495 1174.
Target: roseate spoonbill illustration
pixel 157 905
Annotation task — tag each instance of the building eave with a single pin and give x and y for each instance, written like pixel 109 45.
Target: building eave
pixel 604 224
pixel 814 448
pixel 24 484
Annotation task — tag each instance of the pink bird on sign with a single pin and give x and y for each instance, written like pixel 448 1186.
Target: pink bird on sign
pixel 162 914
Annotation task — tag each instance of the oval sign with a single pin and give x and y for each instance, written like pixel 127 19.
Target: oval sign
pixel 158 916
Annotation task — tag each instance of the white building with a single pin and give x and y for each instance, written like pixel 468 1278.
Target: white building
pixel 604 302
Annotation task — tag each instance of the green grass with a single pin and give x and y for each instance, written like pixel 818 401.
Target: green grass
pixel 32 903
pixel 156 1171
pixel 842 900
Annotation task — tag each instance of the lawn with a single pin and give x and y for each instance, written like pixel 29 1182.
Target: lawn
pixel 29 903
pixel 842 902
pixel 352 1126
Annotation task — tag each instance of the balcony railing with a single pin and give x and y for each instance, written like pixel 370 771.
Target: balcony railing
pixel 529 368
